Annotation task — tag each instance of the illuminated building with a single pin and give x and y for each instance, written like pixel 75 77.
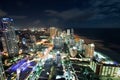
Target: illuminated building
pixel 24 41
pixel 4 44
pixel 2 73
pixel 58 59
pixel 73 51
pixel 53 31
pixel 18 38
pixel 103 69
pixel 9 37
pixel 58 33
pixel 81 44
pixel 71 41
pixel 63 34
pixel 33 38
pixel 89 50
pixel 70 37
pixel 58 42
pixel 68 31
pixel 104 66
pixel 92 49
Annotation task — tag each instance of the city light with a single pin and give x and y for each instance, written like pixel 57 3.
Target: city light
pixel 43 56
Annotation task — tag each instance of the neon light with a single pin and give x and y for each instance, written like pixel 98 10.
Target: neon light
pixel 14 67
pixel 24 66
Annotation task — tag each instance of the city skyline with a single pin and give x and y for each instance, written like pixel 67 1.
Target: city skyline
pixel 63 13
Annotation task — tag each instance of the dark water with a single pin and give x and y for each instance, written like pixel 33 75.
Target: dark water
pixel 110 36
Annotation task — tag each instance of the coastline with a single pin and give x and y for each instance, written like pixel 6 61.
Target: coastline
pixel 100 47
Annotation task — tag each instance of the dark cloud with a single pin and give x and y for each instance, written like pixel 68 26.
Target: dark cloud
pixel 18 17
pixel 99 13
pixel 98 9
pixel 70 14
pixel 86 13
pixel 106 7
pixel 65 15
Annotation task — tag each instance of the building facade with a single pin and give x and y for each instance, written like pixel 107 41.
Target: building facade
pixel 9 38
pixel 2 73
pixel 89 50
pixel 101 69
pixel 53 31
pixel 58 42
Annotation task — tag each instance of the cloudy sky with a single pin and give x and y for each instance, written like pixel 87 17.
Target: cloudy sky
pixel 65 13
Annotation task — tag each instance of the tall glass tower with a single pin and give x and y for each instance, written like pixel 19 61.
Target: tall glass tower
pixel 9 36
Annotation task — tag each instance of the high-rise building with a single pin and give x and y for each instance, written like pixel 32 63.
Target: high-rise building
pixel 58 58
pixel 89 50
pixel 92 49
pixel 9 37
pixel 33 38
pixel 4 44
pixel 105 69
pixel 81 44
pixel 58 42
pixel 71 41
pixel 33 41
pixel 2 73
pixel 73 51
pixel 70 37
pixel 68 31
pixel 53 31
pixel 63 34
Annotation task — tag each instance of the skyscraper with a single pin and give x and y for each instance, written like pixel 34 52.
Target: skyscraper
pixel 58 42
pixel 89 50
pixel 53 31
pixel 2 73
pixel 9 37
pixel 92 49
pixel 58 59
pixel 81 43
pixel 4 44
pixel 68 31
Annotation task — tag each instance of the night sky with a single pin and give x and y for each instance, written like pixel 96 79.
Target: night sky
pixel 62 13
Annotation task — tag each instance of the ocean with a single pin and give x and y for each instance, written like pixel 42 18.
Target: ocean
pixel 109 37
